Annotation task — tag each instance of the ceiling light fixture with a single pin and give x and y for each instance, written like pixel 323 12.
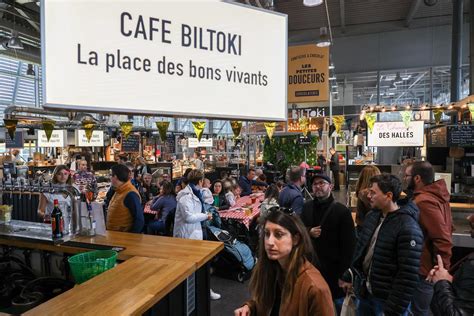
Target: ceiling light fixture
pixel 324 40
pixel 407 106
pixel 331 66
pixel 398 79
pixel 383 109
pixel 394 107
pixel 15 42
pixel 4 44
pixel 312 3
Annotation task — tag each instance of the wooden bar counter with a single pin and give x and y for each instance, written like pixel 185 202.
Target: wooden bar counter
pixel 155 267
pixel 196 251
pixel 131 288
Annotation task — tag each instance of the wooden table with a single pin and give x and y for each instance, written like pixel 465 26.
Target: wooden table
pixel 131 288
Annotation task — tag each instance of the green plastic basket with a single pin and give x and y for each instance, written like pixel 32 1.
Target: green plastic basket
pixel 87 265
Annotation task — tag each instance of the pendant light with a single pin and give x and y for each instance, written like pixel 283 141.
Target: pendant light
pixel 15 42
pixel 312 3
pixel 323 37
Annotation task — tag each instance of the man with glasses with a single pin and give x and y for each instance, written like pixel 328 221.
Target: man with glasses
pixel 332 233
pixel 432 198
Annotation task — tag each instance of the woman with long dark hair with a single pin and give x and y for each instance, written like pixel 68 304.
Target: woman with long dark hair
pixel 164 204
pixel 220 201
pixel 61 177
pixel 284 282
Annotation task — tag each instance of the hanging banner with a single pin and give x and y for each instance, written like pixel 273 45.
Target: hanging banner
pixel 406 117
pixel 10 125
pixel 270 128
pixel 163 129
pixel 370 118
pixel 57 138
pixel 396 134
pixel 189 55
pixel 126 128
pixel 338 121
pixel 437 115
pixel 195 143
pixel 308 73
pixel 199 128
pixel 96 140
pixel 236 128
pixel 89 128
pixel 304 125
pixel 48 127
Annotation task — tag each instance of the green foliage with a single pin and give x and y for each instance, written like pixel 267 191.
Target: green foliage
pixel 287 147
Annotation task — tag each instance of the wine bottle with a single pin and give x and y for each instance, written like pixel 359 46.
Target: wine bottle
pixel 57 221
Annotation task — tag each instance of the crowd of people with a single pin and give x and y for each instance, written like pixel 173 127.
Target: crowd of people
pixel 396 261
pixel 310 254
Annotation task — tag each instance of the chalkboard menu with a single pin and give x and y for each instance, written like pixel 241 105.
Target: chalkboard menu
pixel 170 143
pixel 17 142
pixel 131 144
pixel 438 137
pixel 304 140
pixel 461 135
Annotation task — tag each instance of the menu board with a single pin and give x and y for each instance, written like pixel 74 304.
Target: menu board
pixel 131 144
pixel 17 142
pixel 170 143
pixel 437 137
pixel 461 135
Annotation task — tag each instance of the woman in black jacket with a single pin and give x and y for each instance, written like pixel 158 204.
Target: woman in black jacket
pixel 220 201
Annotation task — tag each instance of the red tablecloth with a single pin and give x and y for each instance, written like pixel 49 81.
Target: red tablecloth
pixel 238 213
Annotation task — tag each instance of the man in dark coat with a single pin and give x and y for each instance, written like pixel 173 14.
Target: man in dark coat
pixel 334 167
pixel 246 182
pixel 432 199
pixel 387 256
pixel 331 228
pixel 291 195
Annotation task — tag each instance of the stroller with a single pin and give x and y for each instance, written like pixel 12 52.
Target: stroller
pixel 236 261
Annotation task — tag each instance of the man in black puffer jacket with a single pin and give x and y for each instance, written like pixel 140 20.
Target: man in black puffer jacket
pixel 387 255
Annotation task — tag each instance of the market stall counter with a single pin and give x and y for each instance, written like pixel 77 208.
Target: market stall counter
pixel 131 288
pixel 187 258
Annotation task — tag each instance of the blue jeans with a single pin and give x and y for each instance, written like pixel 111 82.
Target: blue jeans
pixel 156 227
pixel 372 306
pixel 338 305
pixel 422 298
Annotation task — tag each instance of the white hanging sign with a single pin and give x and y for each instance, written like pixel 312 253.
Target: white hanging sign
pixel 165 51
pixel 195 143
pixel 58 138
pixel 396 134
pixel 97 139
